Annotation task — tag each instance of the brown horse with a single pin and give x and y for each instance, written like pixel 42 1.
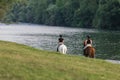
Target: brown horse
pixel 89 52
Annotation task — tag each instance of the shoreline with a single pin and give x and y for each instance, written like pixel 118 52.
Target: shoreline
pixel 113 61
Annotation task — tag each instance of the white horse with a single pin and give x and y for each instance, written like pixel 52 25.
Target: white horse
pixel 62 49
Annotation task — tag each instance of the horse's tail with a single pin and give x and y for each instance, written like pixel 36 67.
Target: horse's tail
pixel 90 51
pixel 93 53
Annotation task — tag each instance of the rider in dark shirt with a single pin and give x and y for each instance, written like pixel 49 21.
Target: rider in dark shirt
pixel 88 41
pixel 60 41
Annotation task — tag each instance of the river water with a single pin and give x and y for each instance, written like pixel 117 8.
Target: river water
pixel 106 43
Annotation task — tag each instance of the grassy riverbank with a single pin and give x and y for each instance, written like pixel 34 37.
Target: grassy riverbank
pixel 19 62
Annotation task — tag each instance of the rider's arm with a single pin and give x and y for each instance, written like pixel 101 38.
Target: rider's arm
pixel 85 42
pixel 91 41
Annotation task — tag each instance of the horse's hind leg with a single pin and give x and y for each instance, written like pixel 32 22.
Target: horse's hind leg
pixel 92 56
pixel 85 53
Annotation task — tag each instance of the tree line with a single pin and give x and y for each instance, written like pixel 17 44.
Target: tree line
pixel 100 14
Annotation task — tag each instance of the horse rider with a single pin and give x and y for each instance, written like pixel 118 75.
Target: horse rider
pixel 60 41
pixel 89 51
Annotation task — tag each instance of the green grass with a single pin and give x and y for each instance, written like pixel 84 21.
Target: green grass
pixel 20 62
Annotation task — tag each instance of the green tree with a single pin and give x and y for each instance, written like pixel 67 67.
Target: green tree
pixel 108 15
pixel 4 6
pixel 38 8
pixel 17 13
pixel 84 16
